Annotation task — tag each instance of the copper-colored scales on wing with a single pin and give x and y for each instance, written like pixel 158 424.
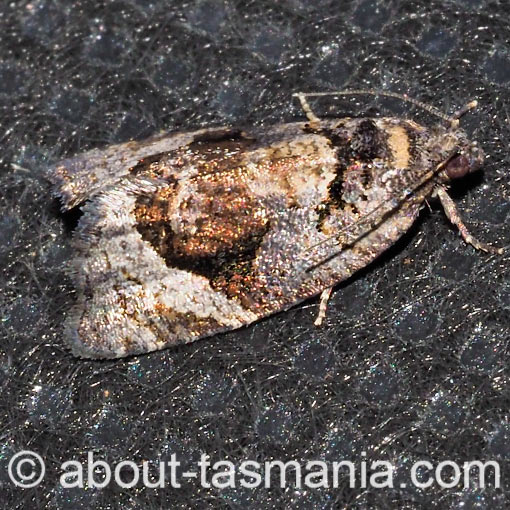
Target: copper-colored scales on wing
pixel 190 234
pixel 212 227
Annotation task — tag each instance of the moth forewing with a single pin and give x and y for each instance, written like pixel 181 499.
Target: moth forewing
pixel 191 234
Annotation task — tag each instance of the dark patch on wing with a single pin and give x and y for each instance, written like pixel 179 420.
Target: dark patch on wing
pixel 368 142
pixel 163 321
pixel 217 150
pixel 221 155
pixel 415 144
pixel 340 141
pixel 220 227
pixel 144 164
pixel 356 149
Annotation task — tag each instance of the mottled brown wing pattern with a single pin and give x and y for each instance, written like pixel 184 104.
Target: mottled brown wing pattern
pixel 192 234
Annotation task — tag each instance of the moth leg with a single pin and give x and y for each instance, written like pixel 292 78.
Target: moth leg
pixel 453 215
pixel 314 120
pixel 323 306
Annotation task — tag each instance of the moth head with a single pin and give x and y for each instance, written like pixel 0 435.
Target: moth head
pixel 463 157
pixel 467 160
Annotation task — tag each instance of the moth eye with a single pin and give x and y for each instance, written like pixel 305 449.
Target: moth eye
pixel 458 166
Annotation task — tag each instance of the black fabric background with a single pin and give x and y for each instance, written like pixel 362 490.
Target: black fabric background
pixel 412 363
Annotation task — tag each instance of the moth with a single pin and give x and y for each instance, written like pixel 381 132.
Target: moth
pixel 190 234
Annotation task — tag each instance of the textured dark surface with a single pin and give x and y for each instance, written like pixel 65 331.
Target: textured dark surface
pixel 413 361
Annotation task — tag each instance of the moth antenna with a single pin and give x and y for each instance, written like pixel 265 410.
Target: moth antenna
pixel 453 121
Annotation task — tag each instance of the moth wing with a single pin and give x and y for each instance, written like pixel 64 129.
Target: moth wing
pixel 129 300
pixel 296 262
pixel 81 177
